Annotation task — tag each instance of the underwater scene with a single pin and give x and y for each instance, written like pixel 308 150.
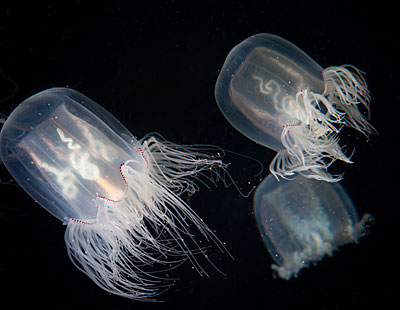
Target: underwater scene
pixel 179 156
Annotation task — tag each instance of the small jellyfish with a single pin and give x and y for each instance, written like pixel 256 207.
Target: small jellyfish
pixel 118 197
pixel 276 95
pixel 303 219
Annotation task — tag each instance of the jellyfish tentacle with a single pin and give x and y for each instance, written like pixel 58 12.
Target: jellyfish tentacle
pixel 346 88
pixel 149 226
pixel 311 145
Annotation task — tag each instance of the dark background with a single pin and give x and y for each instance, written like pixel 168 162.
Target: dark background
pixel 154 67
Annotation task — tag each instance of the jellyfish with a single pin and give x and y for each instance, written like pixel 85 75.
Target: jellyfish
pixel 303 219
pixel 119 197
pixel 276 95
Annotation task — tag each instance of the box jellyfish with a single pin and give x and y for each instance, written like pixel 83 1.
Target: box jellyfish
pixel 303 219
pixel 276 95
pixel 117 196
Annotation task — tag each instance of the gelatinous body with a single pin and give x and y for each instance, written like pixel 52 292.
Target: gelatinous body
pixel 303 219
pixel 276 95
pixel 118 196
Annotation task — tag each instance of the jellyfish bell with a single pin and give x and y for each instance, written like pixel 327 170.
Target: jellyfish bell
pixel 303 219
pixel 275 94
pixel 118 196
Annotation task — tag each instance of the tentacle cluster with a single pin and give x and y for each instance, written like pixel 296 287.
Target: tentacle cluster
pixel 311 144
pixel 134 240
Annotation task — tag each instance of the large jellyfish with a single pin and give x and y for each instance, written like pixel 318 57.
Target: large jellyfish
pixel 276 95
pixel 302 220
pixel 117 196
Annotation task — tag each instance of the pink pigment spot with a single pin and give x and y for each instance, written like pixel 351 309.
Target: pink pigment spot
pixel 144 157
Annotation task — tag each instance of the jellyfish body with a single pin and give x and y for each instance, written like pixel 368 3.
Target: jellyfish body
pixel 276 95
pixel 118 196
pixel 302 220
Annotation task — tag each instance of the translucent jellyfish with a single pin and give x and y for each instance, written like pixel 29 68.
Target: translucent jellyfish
pixel 276 95
pixel 118 197
pixel 302 220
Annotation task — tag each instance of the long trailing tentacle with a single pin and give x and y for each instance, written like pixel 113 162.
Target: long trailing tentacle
pixel 133 241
